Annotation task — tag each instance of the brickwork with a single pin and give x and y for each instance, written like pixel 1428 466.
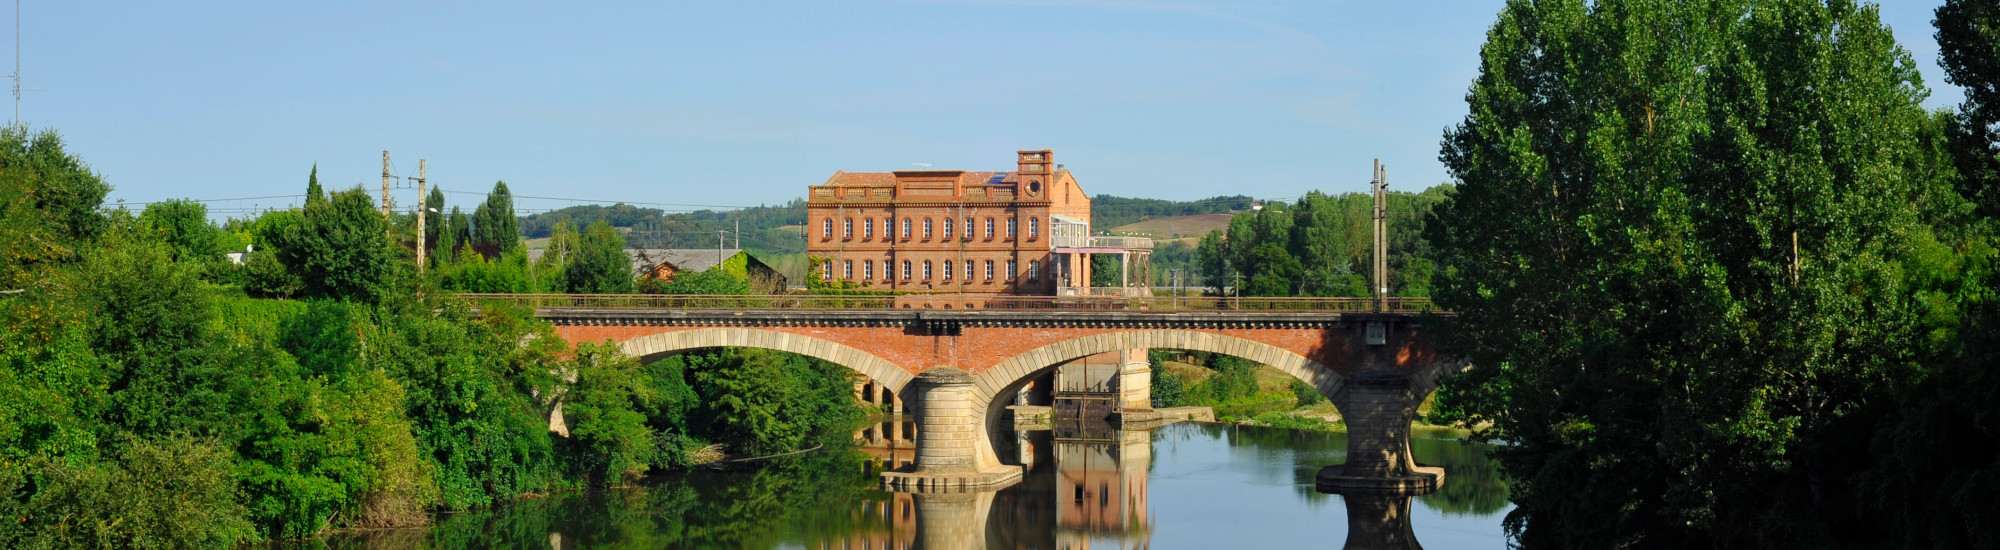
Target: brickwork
pixel 950 231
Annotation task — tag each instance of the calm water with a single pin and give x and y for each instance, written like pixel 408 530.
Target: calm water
pixel 1181 486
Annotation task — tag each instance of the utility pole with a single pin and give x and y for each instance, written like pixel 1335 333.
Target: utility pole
pixel 17 61
pixel 1381 188
pixel 421 214
pixel 719 233
pixel 739 233
pixel 385 184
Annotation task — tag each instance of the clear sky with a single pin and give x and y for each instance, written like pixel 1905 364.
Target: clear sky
pixel 738 103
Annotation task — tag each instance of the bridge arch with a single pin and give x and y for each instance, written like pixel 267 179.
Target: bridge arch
pixel 991 386
pixel 1007 375
pixel 868 364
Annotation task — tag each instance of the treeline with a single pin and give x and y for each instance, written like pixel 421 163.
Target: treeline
pixel 1320 245
pixel 1108 211
pixel 146 399
pixel 765 229
pixel 1726 282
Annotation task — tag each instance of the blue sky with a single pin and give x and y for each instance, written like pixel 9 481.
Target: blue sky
pixel 739 103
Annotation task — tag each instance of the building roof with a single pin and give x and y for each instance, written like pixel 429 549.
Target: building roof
pixel 683 259
pixel 845 178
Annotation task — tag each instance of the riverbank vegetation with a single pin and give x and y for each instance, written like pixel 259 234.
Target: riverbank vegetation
pixel 153 394
pixel 1725 280
pixel 1240 391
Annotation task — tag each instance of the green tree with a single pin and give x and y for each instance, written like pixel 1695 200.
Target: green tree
pixel 183 224
pixel 314 194
pixel 48 204
pixel 341 249
pixel 1968 35
pixel 434 220
pixel 1689 238
pixel 606 410
pixel 494 227
pixel 600 264
pixel 1212 261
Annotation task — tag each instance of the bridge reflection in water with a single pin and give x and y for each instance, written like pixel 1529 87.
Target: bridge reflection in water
pixel 1086 487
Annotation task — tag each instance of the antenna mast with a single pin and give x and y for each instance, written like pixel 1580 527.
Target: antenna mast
pixel 17 61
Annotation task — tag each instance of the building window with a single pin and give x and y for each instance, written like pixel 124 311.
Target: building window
pixel 927 270
pixel 1034 269
pixel 906 270
pixel 826 270
pixel 989 229
pixel 1034 228
pixel 927 229
pixel 826 229
pixel 970 274
pixel 989 270
pixel 1010 270
pixel 868 270
pixel 947 270
pixel 968 228
pixel 906 229
pixel 846 270
pixel 868 229
pixel 947 228
pixel 1010 229
pixel 847 228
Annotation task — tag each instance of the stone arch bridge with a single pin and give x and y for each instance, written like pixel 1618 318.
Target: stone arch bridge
pixel 961 368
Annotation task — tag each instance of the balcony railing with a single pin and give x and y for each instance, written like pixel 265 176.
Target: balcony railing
pixel 1151 304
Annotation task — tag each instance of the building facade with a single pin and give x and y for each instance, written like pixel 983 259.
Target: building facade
pixel 947 231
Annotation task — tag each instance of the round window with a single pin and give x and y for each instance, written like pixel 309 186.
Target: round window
pixel 1035 186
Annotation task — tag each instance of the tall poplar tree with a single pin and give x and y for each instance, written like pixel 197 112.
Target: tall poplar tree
pixel 495 230
pixel 1693 241
pixel 314 194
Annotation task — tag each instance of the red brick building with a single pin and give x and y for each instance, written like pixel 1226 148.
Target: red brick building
pixel 950 231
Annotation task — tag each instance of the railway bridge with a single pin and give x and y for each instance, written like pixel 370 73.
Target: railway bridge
pixel 960 368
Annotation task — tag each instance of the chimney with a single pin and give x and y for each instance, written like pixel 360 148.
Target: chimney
pixel 1032 166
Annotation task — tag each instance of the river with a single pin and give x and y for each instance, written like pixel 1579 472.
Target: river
pixel 1187 485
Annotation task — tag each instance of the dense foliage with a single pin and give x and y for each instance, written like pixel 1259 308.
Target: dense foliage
pixel 1696 249
pixel 146 399
pixel 1320 246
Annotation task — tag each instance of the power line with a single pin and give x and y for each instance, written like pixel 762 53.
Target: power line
pixel 213 200
pixel 600 201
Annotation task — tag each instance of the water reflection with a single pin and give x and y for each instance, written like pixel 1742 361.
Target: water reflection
pixel 1186 485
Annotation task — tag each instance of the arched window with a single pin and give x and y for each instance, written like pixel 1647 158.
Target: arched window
pixel 927 229
pixel 826 229
pixel 1034 268
pixel 968 230
pixel 868 270
pixel 906 270
pixel 846 270
pixel 847 228
pixel 1010 270
pixel 947 228
pixel 989 270
pixel 1010 229
pixel 867 229
pixel 947 270
pixel 1034 228
pixel 906 232
pixel 970 272
pixel 826 270
pixel 927 270
pixel 989 229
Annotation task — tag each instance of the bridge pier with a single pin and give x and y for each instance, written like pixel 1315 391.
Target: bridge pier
pixel 951 428
pixel 1135 387
pixel 1378 411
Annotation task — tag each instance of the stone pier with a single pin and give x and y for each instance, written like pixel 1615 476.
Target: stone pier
pixel 1378 411
pixel 953 519
pixel 1135 387
pixel 951 426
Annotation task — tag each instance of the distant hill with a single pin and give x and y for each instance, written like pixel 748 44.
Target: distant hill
pixel 766 229
pixel 1175 227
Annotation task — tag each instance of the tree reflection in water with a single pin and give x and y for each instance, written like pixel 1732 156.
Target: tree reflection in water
pixel 1086 488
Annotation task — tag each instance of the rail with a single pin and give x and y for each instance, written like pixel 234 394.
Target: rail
pixel 1152 304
